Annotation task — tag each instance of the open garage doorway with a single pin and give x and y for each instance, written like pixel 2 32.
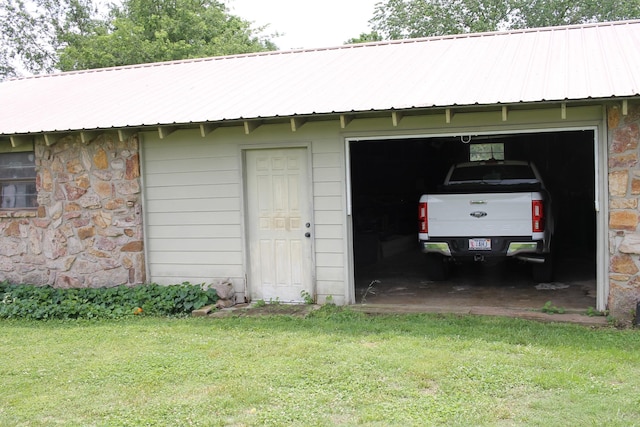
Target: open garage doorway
pixel 388 176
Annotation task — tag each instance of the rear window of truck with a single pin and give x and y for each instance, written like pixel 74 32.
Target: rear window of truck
pixel 492 173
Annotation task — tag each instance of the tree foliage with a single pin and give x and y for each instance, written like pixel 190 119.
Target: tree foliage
pixel 32 32
pixel 365 38
pixel 397 19
pixel 39 36
pixel 145 31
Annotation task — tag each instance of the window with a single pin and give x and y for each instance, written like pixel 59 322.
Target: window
pixel 493 151
pixel 17 177
pixel 490 172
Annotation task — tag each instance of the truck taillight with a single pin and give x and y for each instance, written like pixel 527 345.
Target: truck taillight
pixel 423 222
pixel 537 216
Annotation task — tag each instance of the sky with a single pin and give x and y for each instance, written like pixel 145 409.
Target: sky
pixel 307 23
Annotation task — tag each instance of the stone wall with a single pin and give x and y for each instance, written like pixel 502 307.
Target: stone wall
pixel 87 231
pixel 624 215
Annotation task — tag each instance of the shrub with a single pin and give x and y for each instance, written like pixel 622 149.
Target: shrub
pixel 45 302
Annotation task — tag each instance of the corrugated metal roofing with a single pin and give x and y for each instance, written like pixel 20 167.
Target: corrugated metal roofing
pixel 547 64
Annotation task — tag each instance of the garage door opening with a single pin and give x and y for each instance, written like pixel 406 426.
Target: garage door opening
pixel 389 176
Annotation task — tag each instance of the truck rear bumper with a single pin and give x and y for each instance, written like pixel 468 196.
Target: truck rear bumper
pixel 519 247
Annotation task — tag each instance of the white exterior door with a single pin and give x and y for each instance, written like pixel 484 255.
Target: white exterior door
pixel 279 224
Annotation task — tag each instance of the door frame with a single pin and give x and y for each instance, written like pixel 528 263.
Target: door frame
pixel 243 149
pixel 601 196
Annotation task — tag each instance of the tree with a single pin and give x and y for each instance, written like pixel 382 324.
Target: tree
pixel 31 33
pixel 365 38
pixel 145 31
pixel 397 19
pixel 49 35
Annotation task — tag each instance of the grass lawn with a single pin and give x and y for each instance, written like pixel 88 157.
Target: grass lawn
pixel 334 368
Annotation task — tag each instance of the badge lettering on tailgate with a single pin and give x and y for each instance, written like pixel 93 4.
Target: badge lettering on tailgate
pixel 478 214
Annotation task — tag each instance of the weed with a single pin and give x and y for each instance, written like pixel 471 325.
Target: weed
pixel 548 307
pixel 370 290
pixel 329 300
pixel 593 312
pixel 46 302
pixel 307 297
pixel 259 303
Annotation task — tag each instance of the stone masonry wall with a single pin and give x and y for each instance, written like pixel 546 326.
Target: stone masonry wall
pixel 87 230
pixel 624 215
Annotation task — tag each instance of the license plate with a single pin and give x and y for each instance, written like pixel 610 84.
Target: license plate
pixel 479 244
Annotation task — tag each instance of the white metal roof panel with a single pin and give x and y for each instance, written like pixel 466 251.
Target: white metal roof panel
pixel 549 64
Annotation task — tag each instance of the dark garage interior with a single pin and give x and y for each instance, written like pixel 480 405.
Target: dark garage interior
pixel 389 176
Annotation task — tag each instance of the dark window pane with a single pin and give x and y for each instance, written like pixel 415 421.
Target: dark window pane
pixel 17 166
pixel 16 195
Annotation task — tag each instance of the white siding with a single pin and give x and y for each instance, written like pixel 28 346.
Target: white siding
pixel 329 210
pixel 194 204
pixel 194 193
pixel 192 209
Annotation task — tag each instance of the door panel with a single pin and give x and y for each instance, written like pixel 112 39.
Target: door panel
pixel 278 211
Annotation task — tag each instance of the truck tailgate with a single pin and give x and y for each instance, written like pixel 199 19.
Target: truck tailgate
pixel 480 215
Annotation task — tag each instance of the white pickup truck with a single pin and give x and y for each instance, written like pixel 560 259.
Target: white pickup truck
pixel 488 210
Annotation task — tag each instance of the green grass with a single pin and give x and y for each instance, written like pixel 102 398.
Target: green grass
pixel 334 368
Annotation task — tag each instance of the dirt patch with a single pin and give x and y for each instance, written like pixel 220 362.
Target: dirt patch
pixel 244 310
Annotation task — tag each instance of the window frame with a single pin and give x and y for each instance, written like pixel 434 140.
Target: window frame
pixel 10 187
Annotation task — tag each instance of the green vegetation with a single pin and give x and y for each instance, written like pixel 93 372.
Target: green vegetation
pixel 42 36
pixel 549 308
pixel 334 367
pixel 397 19
pixel 45 302
pixel 307 297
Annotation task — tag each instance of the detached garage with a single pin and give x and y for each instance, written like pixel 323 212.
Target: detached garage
pixel 292 173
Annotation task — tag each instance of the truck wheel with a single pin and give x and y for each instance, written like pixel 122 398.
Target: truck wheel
pixel 543 272
pixel 437 267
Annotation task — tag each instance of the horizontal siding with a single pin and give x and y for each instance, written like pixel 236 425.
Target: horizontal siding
pixel 197 258
pixel 195 163
pixel 220 204
pixel 332 287
pixel 327 159
pixel 328 203
pixel 325 174
pixel 193 205
pixel 191 218
pixel 329 259
pixel 187 231
pixel 332 274
pixel 198 243
pixel 329 216
pixel 329 245
pixel 168 275
pixel 193 209
pixel 193 191
pixel 188 178
pixel 333 188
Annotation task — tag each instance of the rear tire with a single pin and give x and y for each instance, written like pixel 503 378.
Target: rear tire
pixel 543 272
pixel 437 267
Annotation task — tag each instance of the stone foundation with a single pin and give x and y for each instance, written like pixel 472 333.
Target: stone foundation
pixel 87 231
pixel 624 216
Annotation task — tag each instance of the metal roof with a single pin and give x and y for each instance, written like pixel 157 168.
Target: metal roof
pixel 547 64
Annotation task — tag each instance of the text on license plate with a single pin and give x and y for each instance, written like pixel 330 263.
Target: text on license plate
pixel 479 244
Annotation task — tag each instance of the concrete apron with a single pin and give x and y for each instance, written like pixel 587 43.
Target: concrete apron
pixel 400 285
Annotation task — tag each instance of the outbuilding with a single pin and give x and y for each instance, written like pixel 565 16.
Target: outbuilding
pixel 282 172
